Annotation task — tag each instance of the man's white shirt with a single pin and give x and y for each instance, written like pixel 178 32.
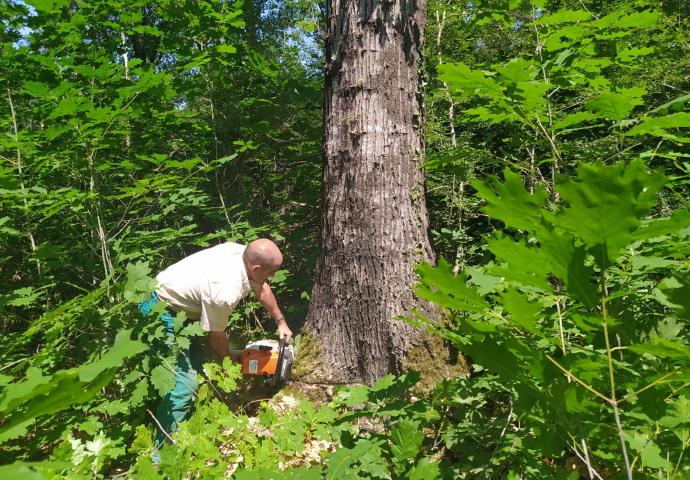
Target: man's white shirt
pixel 206 285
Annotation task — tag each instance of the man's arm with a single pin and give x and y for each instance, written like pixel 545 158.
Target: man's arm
pixel 268 301
pixel 218 341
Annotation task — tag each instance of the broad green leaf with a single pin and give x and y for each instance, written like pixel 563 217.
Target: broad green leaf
pixel 649 452
pixel 647 264
pixel 659 125
pixel 621 19
pixel 41 395
pixel 658 227
pixel 567 263
pixel 490 114
pixel 519 263
pixel 70 106
pixel 340 463
pixel 522 312
pixel 268 473
pixel 469 82
pixel 638 20
pixel 122 348
pixel 373 464
pixel 139 281
pixel 578 400
pixel 632 54
pixel 425 469
pixel 661 347
pixel 226 48
pixel 532 97
pixel 675 104
pixel 574 119
pixel 563 16
pixel 438 284
pixel 565 37
pixel 677 294
pixel 383 383
pixel 516 71
pixel 512 203
pixel 485 283
pixel 31 470
pixel 352 395
pixel 46 6
pixel 606 205
pixel 616 106
pixel 162 379
pixel 406 440
pixel 37 89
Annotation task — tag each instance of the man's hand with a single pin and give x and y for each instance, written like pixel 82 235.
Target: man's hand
pixel 284 330
pixel 268 301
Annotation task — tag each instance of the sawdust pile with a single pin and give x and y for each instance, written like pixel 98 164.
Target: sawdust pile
pixel 283 405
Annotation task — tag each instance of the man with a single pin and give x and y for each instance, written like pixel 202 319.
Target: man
pixel 207 286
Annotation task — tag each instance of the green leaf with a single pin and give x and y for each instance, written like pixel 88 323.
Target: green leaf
pixel 633 54
pixel 37 89
pixel 519 263
pixel 69 106
pixel 516 71
pixel 31 470
pixel 162 379
pixel 532 97
pixel 563 16
pixel 123 348
pixel 344 462
pixel 675 104
pixel 649 452
pixel 677 293
pixel 438 284
pixel 659 227
pixel 425 469
pixel 658 125
pixel 406 440
pixel 226 49
pixel 512 203
pixel 607 204
pixel 616 106
pixel 638 20
pixel 661 347
pixel 567 262
pixel 469 82
pixel 523 313
pixel 574 119
pixel 46 6
pixel 139 281
pixel 40 395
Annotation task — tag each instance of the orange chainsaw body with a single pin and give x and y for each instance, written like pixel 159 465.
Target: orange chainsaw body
pixel 259 361
pixel 269 358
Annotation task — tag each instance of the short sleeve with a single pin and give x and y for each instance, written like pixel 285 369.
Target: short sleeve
pixel 214 316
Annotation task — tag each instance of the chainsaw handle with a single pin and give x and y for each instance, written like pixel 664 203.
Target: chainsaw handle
pixel 279 364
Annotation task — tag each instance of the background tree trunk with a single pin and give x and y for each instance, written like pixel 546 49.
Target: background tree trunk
pixel 374 224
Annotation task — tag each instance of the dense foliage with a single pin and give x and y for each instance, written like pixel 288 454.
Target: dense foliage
pixel 134 133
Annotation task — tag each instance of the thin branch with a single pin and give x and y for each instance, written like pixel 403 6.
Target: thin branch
pixel 655 382
pixel 12 364
pixel 160 426
pixel 585 459
pixel 560 323
pixel 585 385
pixel 609 355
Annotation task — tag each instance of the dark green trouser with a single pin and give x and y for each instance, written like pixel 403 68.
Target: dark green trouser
pixel 176 404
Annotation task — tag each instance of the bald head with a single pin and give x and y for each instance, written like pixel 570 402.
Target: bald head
pixel 263 253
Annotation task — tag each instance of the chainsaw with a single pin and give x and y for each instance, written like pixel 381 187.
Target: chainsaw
pixel 269 358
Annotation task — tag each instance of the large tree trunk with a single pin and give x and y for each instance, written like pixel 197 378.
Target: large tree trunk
pixel 374 225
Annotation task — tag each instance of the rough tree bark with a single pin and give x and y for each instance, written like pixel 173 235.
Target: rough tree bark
pixel 374 224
